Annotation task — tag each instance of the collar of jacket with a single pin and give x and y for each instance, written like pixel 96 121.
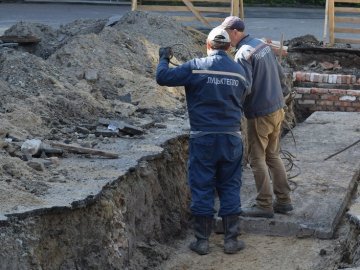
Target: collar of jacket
pixel 242 41
pixel 215 52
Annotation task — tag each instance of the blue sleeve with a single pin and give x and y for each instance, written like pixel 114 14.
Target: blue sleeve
pixel 178 76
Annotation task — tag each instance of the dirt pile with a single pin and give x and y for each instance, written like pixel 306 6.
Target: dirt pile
pixel 76 75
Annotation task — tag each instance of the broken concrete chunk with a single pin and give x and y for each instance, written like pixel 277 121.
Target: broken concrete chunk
pixel 121 126
pixel 91 75
pixel 104 132
pixel 48 150
pixel 36 165
pixel 82 130
pixel 31 147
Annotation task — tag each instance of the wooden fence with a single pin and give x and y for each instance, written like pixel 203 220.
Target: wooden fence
pixel 205 11
pixel 350 16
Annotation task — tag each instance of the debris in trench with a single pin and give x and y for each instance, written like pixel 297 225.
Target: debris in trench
pixel 20 39
pixel 116 126
pixel 83 150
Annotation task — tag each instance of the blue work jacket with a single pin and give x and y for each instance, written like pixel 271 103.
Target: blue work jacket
pixel 215 88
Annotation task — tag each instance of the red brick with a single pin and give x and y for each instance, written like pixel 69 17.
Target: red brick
pixel 338 91
pixel 338 79
pixel 350 109
pixel 302 90
pixel 356 104
pixel 325 102
pixel 329 97
pixel 319 91
pixel 342 103
pixel 306 102
pixel 353 93
pixel 317 78
pixel 299 76
pixel 325 78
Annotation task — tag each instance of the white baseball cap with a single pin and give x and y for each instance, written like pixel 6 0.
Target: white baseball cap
pixel 219 35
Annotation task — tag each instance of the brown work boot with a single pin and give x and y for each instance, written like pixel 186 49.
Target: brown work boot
pixel 257 211
pixel 282 208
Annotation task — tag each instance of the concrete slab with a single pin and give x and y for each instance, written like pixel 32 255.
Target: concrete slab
pixel 85 178
pixel 321 192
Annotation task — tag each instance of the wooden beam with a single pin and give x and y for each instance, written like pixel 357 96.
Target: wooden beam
pixel 235 8
pixel 192 18
pixel 347 10
pixel 331 6
pixel 347 20
pixel 347 40
pixel 83 150
pixel 347 30
pixel 326 22
pixel 182 8
pixel 134 5
pixel 348 1
pixel 195 11
pixel 194 1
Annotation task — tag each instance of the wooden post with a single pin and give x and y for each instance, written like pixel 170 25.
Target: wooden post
pixel 235 8
pixel 326 22
pixel 331 21
pixel 133 5
pixel 242 9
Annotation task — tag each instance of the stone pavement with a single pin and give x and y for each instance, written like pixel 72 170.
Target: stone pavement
pixel 322 191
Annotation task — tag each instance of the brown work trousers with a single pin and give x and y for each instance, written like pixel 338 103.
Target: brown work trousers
pixel 264 157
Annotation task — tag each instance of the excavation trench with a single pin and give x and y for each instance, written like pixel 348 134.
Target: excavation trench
pixel 141 221
pixel 128 224
pixel 87 212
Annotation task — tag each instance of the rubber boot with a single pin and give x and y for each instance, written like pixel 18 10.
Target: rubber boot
pixel 232 230
pixel 202 228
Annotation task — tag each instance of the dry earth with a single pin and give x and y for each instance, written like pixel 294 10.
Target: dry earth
pixel 55 90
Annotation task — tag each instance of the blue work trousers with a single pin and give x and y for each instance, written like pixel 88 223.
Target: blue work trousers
pixel 215 165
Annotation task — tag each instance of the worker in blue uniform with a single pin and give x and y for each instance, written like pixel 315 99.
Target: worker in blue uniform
pixel 215 88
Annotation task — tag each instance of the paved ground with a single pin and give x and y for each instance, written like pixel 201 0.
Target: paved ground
pixel 323 189
pixel 260 21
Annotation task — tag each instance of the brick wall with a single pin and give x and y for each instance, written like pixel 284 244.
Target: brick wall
pixel 324 94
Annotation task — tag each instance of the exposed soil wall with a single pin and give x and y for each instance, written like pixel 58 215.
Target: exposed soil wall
pixel 126 227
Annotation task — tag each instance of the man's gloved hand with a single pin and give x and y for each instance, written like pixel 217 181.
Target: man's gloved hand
pixel 165 53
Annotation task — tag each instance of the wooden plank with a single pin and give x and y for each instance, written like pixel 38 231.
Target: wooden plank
pixel 195 11
pixel 326 21
pixel 347 9
pixel 134 5
pixel 331 21
pixel 83 150
pixel 80 2
pixel 235 8
pixel 348 1
pixel 183 8
pixel 347 19
pixel 20 39
pixel 347 40
pixel 194 1
pixel 242 16
pixel 192 18
pixel 347 30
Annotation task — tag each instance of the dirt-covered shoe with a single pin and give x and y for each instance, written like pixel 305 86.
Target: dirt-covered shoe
pixel 232 246
pixel 256 211
pixel 282 208
pixel 201 247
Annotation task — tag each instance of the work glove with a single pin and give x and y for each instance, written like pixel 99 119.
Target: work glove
pixel 165 53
